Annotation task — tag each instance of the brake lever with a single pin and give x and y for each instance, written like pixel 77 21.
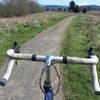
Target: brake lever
pixel 16 47
pixel 16 63
pixel 16 50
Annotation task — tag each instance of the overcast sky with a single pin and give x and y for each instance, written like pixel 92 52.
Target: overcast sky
pixel 66 2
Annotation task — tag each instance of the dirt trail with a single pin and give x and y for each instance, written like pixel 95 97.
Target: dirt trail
pixel 24 81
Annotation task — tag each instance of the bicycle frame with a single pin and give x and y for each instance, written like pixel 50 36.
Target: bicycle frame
pixel 47 84
pixel 13 55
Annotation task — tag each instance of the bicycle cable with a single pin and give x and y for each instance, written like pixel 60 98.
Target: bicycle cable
pixel 58 78
pixel 40 80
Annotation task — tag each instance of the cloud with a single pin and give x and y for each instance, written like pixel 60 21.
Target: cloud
pixel 53 2
pixel 83 3
pixel 66 2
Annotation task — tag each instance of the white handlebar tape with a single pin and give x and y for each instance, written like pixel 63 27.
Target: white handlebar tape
pixel 95 79
pixel 7 74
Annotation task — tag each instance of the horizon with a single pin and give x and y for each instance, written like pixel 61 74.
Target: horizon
pixel 66 2
pixel 67 5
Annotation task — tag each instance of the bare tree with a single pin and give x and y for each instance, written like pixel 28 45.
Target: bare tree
pixel 18 8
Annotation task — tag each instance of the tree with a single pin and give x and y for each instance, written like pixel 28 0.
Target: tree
pixel 69 9
pixel 59 9
pixel 5 1
pixel 76 9
pixel 72 5
pixel 47 9
pixel 11 8
pixel 84 10
pixel 64 9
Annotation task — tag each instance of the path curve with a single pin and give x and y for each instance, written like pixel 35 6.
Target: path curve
pixel 23 83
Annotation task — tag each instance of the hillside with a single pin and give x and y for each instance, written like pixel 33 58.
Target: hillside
pixel 65 8
pixel 55 7
pixel 91 7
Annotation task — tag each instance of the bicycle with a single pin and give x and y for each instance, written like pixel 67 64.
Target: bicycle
pixel 14 55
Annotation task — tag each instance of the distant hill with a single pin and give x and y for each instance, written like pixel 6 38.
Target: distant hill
pixel 91 7
pixel 65 8
pixel 55 7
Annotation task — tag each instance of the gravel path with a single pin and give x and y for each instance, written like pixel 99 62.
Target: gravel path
pixel 24 81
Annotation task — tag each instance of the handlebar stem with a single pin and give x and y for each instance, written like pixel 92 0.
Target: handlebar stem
pixel 49 59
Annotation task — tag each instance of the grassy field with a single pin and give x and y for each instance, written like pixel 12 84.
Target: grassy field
pixel 37 17
pixel 82 33
pixel 22 32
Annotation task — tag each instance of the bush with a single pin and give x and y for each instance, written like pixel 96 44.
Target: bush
pixel 73 7
pixel 59 9
pixel 84 10
pixel 76 9
pixel 11 8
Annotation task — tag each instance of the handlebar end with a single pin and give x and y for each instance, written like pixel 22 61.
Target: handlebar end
pixel 3 82
pixel 97 93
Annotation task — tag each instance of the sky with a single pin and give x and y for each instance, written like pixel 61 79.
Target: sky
pixel 66 2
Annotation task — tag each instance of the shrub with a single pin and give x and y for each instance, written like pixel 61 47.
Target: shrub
pixel 76 9
pixel 84 10
pixel 11 8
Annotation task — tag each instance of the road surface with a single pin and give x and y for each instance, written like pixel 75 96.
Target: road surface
pixel 24 81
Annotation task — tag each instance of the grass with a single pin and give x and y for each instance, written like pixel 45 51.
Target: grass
pixel 23 32
pixel 82 33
